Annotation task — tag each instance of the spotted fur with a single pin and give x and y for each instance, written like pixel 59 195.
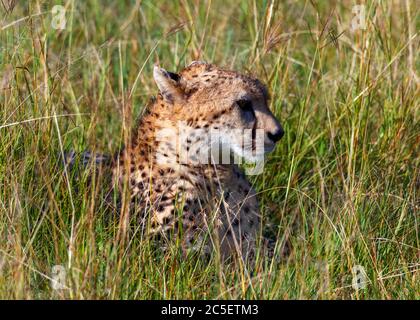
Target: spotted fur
pixel 195 197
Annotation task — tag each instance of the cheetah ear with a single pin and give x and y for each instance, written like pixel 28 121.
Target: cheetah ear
pixel 197 62
pixel 168 84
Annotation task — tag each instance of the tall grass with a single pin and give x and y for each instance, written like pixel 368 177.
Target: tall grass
pixel 342 187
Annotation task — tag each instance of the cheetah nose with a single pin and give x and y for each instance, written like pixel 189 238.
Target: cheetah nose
pixel 276 136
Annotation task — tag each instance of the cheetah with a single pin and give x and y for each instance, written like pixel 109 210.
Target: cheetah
pixel 196 193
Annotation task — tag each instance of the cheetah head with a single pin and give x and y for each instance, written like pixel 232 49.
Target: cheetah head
pixel 226 103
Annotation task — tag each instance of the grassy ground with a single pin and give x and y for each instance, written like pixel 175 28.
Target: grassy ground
pixel 343 184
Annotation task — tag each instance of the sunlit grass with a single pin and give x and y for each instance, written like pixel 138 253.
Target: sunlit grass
pixel 342 186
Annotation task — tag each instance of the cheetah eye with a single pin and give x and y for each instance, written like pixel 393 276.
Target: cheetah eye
pixel 246 106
